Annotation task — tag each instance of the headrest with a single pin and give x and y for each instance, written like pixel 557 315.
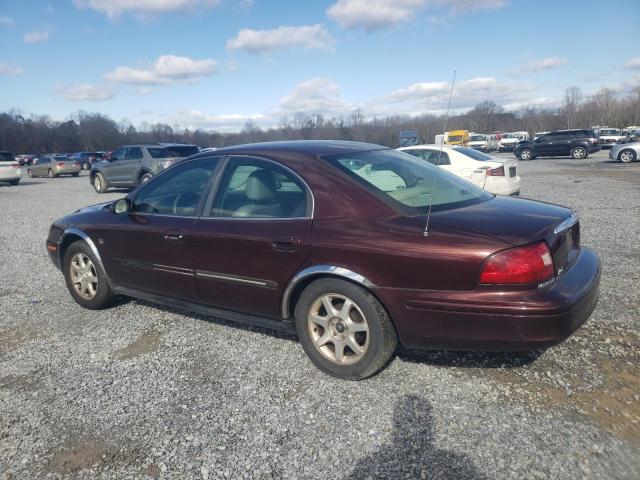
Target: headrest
pixel 261 185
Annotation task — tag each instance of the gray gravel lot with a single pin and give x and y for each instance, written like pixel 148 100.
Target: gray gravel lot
pixel 139 391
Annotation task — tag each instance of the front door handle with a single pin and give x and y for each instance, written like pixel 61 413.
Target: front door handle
pixel 173 236
pixel 285 243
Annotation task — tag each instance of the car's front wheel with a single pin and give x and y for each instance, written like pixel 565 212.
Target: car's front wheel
pixel 99 183
pixel 86 280
pixel 627 156
pixel 526 154
pixel 145 177
pixel 344 329
pixel 579 153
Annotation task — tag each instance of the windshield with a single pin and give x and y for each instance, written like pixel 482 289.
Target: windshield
pixel 610 132
pixel 509 135
pixel 454 138
pixel 478 138
pixel 407 183
pixel 183 150
pixel 475 154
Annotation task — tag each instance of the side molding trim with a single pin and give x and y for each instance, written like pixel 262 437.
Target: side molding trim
pixel 319 270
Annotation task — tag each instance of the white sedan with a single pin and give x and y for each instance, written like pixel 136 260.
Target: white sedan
pixel 495 175
pixel 10 169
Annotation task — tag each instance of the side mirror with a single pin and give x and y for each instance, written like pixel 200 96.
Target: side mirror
pixel 121 206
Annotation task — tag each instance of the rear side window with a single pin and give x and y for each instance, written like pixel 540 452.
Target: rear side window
pixel 160 152
pixel 182 150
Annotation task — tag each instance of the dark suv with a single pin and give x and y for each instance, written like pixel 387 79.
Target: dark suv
pixel 86 159
pixel 132 165
pixel 561 143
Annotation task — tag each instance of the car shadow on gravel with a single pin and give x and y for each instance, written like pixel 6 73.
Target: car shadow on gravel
pixel 412 452
pixel 463 359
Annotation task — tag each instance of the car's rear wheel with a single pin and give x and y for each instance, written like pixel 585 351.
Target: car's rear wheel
pixel 627 156
pixel 579 153
pixel 344 329
pixel 85 278
pixel 145 177
pixel 51 174
pixel 526 154
pixel 99 183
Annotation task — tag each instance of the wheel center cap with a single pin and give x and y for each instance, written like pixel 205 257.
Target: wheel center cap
pixel 340 327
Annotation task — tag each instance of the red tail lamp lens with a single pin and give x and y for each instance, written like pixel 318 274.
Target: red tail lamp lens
pixel 495 172
pixel 529 264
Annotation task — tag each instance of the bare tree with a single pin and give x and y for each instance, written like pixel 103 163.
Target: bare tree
pixel 571 104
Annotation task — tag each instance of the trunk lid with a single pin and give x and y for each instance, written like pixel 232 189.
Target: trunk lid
pixel 520 222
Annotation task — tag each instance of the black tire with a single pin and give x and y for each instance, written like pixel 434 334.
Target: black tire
pixel 579 153
pixel 14 182
pixel 51 174
pixel 381 335
pixel 75 174
pixel 145 177
pixel 628 157
pixel 29 173
pixel 104 297
pixel 526 154
pixel 99 183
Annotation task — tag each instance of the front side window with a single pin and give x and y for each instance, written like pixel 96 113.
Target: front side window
pixel 134 153
pixel 413 184
pixel 254 188
pixel 119 154
pixel 176 192
pixel 435 157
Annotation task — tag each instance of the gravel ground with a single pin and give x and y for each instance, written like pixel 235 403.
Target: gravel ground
pixel 139 391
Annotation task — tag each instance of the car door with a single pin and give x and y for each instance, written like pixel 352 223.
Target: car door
pixel 253 236
pixel 562 143
pixel 42 166
pixel 544 145
pixel 149 248
pixel 125 166
pixel 112 171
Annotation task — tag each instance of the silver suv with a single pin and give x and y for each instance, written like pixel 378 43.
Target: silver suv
pixel 132 165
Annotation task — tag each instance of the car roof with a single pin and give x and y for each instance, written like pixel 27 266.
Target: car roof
pixel 428 145
pixel 304 147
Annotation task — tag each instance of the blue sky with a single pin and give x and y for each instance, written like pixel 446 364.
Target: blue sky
pixel 214 64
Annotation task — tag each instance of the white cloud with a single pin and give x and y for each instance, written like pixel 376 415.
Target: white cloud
pixel 167 69
pixel 233 122
pixel 314 96
pixel 9 70
pixel 6 21
pixel 308 37
pixel 86 93
pixel 633 63
pixel 540 65
pixel 378 14
pixel 115 8
pixel 432 96
pixel 36 36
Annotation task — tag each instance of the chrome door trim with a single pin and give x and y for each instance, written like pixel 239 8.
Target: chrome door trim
pixel 237 279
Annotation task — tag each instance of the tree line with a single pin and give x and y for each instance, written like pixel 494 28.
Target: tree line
pixel 85 131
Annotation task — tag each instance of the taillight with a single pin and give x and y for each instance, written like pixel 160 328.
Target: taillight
pixel 60 164
pixel 495 172
pixel 15 165
pixel 529 264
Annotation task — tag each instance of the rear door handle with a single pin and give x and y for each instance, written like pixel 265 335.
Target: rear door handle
pixel 285 243
pixel 173 236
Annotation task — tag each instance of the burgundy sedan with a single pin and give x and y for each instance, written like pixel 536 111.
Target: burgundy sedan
pixel 354 246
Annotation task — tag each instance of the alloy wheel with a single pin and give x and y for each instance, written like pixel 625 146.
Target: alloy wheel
pixel 579 152
pixel 626 156
pixel 97 184
pixel 84 276
pixel 338 329
pixel 525 154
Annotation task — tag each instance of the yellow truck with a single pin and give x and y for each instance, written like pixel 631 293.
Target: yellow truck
pixel 458 137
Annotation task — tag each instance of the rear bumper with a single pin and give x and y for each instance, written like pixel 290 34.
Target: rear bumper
pixel 506 187
pixel 66 170
pixel 508 320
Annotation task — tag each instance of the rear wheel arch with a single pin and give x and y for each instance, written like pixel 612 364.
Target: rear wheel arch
pixel 307 276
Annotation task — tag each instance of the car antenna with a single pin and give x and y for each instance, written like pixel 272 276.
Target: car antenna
pixel 435 177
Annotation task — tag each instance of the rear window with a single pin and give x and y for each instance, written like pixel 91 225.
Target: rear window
pixel 478 138
pixel 159 152
pixel 183 150
pixel 406 183
pixel 475 154
pixel 585 134
pixel 6 157
pixel 610 132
